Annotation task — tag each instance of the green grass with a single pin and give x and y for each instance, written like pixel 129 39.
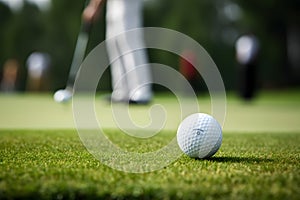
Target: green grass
pixel 54 164
pixel 276 111
pixel 42 157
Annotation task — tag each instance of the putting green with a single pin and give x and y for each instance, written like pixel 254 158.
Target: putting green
pixel 53 164
pixel 277 111
pixel 42 157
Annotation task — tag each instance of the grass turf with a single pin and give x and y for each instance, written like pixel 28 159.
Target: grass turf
pixel 42 157
pixel 53 164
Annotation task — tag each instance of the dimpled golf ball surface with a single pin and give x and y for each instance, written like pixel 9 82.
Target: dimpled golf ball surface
pixel 199 135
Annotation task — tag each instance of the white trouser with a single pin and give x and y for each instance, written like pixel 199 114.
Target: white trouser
pixel 129 79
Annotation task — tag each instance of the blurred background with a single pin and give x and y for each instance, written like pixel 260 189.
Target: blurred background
pixel 38 38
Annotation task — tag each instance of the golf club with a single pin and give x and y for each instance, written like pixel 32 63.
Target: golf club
pixel 64 95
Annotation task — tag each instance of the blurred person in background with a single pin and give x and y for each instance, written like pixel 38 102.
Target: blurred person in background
pixel 247 52
pixel 10 76
pixel 38 64
pixel 121 16
pixel 187 61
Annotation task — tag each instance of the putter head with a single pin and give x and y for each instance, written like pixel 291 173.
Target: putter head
pixel 63 96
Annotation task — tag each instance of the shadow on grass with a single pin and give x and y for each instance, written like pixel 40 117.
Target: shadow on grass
pixel 234 159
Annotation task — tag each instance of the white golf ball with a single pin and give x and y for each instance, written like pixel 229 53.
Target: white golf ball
pixel 199 135
pixel 62 96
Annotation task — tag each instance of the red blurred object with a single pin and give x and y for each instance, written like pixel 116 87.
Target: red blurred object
pixel 186 65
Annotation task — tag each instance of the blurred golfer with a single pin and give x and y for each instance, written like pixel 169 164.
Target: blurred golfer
pixel 129 79
pixel 247 51
pixel 10 76
pixel 38 64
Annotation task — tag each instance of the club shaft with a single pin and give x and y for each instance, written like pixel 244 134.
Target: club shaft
pixel 80 49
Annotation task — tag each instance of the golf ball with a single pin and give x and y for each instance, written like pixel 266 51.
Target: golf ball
pixel 199 135
pixel 62 96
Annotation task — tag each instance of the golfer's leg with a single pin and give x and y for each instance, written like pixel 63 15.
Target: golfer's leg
pixel 136 61
pixel 119 82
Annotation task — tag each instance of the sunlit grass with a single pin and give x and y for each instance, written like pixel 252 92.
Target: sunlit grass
pixel 55 165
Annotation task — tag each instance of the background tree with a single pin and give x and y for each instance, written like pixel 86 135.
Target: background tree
pixel 215 24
